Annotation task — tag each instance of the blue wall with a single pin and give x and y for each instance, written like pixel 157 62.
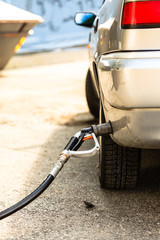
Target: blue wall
pixel 58 30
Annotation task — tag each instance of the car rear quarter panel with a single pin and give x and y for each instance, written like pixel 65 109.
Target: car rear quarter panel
pixel 111 37
pixel 107 37
pixel 129 86
pixel 140 39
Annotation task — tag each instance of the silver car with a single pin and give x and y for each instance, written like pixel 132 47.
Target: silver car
pixel 123 84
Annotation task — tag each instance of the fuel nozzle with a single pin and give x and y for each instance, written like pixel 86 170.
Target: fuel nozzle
pixel 102 129
pixel 70 150
pixel 78 139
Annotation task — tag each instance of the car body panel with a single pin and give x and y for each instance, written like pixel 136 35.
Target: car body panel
pixel 111 37
pixel 125 65
pixel 130 97
pixel 140 39
pixel 108 29
pixel 131 79
pixel 138 128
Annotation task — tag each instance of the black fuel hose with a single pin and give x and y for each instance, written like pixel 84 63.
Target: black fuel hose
pixel 73 143
pixel 21 204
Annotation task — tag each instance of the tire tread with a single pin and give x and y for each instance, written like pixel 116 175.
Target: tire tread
pixel 119 166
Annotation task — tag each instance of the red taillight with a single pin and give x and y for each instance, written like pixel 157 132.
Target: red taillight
pixel 141 14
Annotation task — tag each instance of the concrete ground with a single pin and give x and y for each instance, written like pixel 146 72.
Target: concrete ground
pixel 42 104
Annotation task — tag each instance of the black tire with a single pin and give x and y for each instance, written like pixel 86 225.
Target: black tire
pixel 91 96
pixel 119 166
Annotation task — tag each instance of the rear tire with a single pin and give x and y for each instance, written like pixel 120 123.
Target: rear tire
pixel 119 166
pixel 91 96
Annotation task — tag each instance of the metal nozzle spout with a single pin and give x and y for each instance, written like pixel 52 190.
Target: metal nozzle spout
pixel 101 129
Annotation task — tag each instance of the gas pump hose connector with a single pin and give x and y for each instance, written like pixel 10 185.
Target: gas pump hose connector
pixel 70 150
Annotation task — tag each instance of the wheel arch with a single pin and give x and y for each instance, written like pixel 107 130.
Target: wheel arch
pixel 95 78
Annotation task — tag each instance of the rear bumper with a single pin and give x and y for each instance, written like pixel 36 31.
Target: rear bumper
pixel 130 89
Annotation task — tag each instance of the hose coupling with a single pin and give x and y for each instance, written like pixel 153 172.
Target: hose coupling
pixel 63 158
